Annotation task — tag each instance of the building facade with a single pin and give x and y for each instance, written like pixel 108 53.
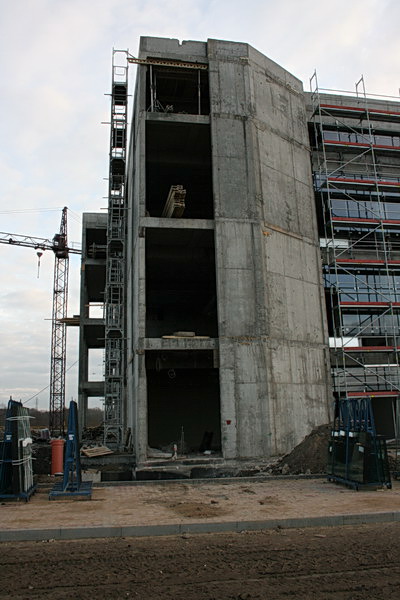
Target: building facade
pixel 356 167
pixel 225 328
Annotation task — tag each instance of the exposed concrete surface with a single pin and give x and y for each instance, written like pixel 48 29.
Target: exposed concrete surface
pixel 272 345
pixel 157 509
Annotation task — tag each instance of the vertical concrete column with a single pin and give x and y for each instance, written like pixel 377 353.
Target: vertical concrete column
pixel 136 390
pixel 141 388
pixel 241 315
pixel 271 319
pixel 83 348
pixel 297 343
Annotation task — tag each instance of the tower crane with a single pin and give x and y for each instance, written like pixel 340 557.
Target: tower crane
pixel 59 245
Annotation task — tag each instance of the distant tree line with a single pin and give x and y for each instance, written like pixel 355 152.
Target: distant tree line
pixel 40 418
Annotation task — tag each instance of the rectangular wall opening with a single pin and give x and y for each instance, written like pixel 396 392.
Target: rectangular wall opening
pixel 179 154
pixel 96 242
pixel 183 401
pixel 95 411
pixel 177 90
pixel 96 310
pixel 180 282
pixel 96 364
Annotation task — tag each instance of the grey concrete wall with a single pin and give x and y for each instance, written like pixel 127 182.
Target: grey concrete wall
pixel 136 408
pixel 239 259
pixel 86 388
pixel 298 366
pixel 273 344
pixel 173 49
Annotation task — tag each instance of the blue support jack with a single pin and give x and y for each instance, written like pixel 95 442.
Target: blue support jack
pixel 72 484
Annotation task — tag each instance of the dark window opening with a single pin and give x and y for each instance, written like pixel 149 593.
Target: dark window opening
pixel 96 238
pixel 329 312
pixel 180 282
pixel 183 402
pixel 177 90
pixel 179 154
pixel 320 209
pixel 384 410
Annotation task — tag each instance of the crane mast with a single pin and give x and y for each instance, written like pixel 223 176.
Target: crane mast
pixel 59 246
pixel 58 329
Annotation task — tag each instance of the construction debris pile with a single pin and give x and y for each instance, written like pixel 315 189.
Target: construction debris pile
pixel 308 457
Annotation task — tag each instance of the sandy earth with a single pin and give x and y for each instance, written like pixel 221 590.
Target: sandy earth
pixel 343 563
pixel 206 502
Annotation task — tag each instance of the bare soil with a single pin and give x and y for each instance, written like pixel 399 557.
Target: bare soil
pixel 343 563
pixel 218 501
pixel 310 456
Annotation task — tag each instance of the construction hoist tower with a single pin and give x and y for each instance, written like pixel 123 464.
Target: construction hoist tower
pixel 114 301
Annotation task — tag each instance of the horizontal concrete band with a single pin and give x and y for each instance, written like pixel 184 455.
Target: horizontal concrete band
pixel 76 533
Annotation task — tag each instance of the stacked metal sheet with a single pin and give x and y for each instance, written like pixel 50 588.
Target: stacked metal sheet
pixel 358 458
pixel 16 474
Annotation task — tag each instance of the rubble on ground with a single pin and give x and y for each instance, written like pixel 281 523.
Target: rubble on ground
pixel 308 457
pixel 93 434
pixel 41 458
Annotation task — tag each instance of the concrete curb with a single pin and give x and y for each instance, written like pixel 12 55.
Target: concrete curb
pixel 78 533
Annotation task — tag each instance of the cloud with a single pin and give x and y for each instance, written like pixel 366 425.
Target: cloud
pixel 55 60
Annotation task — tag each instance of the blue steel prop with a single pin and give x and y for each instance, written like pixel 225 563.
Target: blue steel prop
pixel 72 484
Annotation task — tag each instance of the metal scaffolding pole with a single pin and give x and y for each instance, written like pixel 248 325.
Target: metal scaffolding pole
pixel 115 293
pixel 361 248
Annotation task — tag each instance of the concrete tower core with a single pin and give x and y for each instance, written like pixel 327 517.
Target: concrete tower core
pixel 241 266
pixel 226 335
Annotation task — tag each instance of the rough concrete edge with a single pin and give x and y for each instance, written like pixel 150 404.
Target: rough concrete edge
pixel 76 533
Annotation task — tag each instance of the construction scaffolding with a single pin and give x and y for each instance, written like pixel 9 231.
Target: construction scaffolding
pixel 356 169
pixel 115 294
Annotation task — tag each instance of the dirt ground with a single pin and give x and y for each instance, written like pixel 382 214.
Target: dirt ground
pixel 343 563
pixel 217 501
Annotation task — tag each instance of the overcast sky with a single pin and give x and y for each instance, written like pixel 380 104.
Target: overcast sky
pixel 55 67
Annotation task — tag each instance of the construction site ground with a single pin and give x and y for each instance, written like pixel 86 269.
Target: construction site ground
pixel 211 539
pixel 205 505
pixel 339 563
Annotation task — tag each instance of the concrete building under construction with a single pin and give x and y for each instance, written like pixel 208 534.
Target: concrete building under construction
pixel 215 332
